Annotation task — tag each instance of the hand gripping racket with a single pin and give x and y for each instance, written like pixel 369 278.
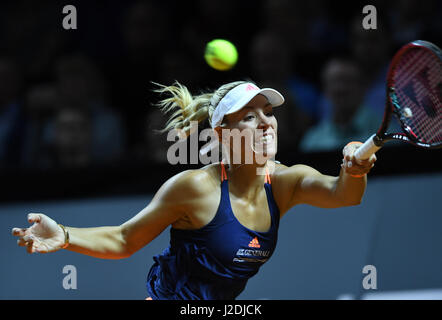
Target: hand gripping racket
pixel 414 95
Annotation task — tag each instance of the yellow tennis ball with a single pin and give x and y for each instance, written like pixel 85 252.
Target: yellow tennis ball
pixel 221 54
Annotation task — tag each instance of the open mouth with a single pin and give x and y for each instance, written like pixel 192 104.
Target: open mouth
pixel 265 139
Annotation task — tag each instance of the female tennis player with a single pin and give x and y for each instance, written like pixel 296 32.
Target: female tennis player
pixel 224 216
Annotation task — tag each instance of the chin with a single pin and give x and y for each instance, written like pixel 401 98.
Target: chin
pixel 265 152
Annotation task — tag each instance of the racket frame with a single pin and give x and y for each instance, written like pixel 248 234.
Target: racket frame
pixel 376 141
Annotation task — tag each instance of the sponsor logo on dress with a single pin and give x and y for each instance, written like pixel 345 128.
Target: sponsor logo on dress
pixel 254 243
pixel 252 255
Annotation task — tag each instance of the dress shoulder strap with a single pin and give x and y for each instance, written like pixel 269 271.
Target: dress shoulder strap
pixel 224 174
pixel 267 179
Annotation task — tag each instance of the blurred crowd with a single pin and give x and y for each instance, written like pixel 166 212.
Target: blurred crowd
pixel 78 98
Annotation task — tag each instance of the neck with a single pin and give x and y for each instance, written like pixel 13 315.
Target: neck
pixel 244 180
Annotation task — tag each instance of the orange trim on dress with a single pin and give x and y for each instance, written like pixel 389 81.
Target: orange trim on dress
pixel 267 179
pixel 224 174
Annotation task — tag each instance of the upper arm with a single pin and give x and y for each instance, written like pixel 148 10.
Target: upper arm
pixel 306 185
pixel 171 202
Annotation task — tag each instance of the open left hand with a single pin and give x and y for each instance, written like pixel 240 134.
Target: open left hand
pixel 43 236
pixel 353 166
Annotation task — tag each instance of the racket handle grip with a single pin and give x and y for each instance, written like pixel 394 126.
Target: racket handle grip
pixel 367 149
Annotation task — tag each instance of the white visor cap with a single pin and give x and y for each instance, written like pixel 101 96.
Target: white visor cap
pixel 239 96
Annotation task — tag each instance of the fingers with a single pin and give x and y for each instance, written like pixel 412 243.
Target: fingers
pixel 21 242
pixel 350 148
pixel 29 244
pixel 348 161
pixel 28 238
pixel 29 247
pixel 20 232
pixel 369 163
pixel 24 240
pixel 357 165
pixel 348 153
pixel 354 166
pixel 34 217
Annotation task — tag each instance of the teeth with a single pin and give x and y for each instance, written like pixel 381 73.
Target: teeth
pixel 267 138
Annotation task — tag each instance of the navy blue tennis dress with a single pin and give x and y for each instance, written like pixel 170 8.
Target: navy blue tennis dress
pixel 217 260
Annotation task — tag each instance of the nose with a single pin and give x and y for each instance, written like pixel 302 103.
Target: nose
pixel 264 121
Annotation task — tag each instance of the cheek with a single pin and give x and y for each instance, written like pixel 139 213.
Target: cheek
pixel 274 124
pixel 241 139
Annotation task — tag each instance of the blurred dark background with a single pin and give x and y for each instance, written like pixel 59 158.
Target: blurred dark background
pixel 77 109
pixel 77 141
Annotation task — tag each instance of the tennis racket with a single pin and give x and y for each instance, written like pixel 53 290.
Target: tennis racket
pixel 414 96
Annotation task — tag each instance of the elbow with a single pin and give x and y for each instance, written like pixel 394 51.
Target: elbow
pixel 351 199
pixel 126 250
pixel 125 255
pixel 352 202
pixel 356 202
pixel 348 201
pixel 129 243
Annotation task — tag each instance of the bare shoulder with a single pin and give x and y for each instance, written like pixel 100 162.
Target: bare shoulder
pixel 191 183
pixel 197 193
pixel 285 180
pixel 290 174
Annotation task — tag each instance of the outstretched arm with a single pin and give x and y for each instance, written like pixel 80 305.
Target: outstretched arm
pixel 307 185
pixel 169 204
pixel 100 242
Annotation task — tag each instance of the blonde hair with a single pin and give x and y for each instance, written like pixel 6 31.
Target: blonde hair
pixel 187 108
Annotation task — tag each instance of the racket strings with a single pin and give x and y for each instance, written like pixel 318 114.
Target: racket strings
pixel 417 99
pixel 417 80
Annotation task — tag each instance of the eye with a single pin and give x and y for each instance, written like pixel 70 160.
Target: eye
pixel 249 117
pixel 269 114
